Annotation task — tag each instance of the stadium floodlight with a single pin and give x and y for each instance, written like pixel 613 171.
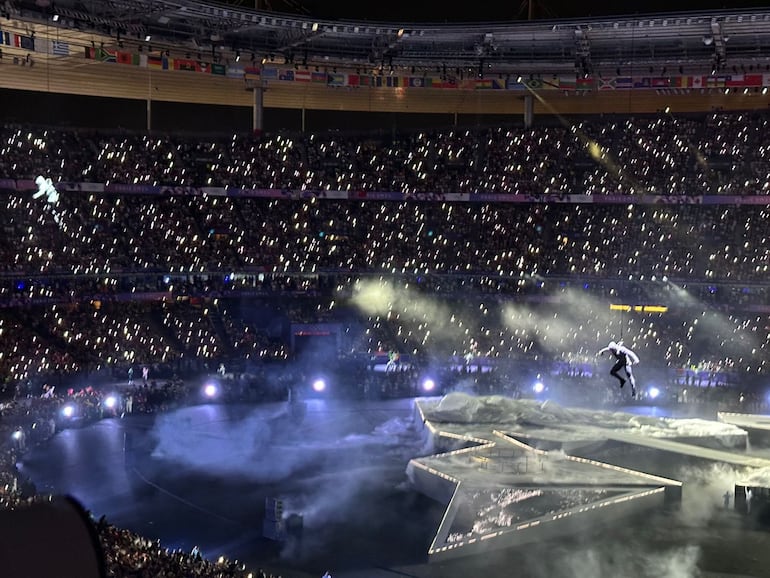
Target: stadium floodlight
pixel 428 384
pixel 68 410
pixel 110 401
pixel 538 387
pixel 654 392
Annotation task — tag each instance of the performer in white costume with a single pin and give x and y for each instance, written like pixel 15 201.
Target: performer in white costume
pixel 625 358
pixel 45 187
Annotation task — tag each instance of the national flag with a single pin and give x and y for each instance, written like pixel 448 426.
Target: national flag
pixel 415 81
pixel 365 80
pixel 744 80
pixel 218 69
pixel 715 81
pixel 186 65
pixel 335 79
pixel 60 48
pixel 287 75
pixel 124 57
pixel 697 82
pixel 567 83
pixel 643 82
pixel 624 83
pixel 235 71
pixel 585 83
pixel 607 84
pixel 270 73
pixel 202 66
pixel 301 76
pixel 25 42
pixel 681 81
pixel 5 38
pixel 752 80
pixel 393 81
pixel 660 82
pixel 318 77
pixel 533 83
pixel 156 61
pixel 252 73
pixel 353 80
pixel 106 55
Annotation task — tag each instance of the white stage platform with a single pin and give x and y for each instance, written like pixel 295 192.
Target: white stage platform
pixel 511 473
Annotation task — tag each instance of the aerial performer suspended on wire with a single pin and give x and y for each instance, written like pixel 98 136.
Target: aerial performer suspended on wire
pixel 625 358
pixel 45 187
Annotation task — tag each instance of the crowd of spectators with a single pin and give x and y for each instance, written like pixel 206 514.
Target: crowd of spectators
pixel 479 296
pixel 724 153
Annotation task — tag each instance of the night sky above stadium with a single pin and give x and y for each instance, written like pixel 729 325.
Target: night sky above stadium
pixel 492 10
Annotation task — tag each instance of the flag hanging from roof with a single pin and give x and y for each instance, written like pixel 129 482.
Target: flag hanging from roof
pixel 584 83
pixel 126 58
pixel 607 83
pixel 185 64
pixel 25 42
pixel 235 71
pixel 156 61
pixel 624 83
pixel 252 73
pixel 60 48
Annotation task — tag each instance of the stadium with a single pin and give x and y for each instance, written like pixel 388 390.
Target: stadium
pixel 288 293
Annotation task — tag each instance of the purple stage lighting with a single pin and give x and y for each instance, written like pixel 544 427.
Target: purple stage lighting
pixel 319 385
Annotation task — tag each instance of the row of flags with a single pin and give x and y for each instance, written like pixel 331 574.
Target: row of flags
pixel 163 61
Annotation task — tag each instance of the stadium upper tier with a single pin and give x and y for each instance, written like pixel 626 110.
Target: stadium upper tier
pixel 272 229
pixel 724 155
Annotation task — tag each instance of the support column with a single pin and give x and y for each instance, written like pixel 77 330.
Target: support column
pixel 529 110
pixel 257 108
pixel 149 99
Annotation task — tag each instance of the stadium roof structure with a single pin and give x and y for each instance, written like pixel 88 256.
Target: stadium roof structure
pixel 696 42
